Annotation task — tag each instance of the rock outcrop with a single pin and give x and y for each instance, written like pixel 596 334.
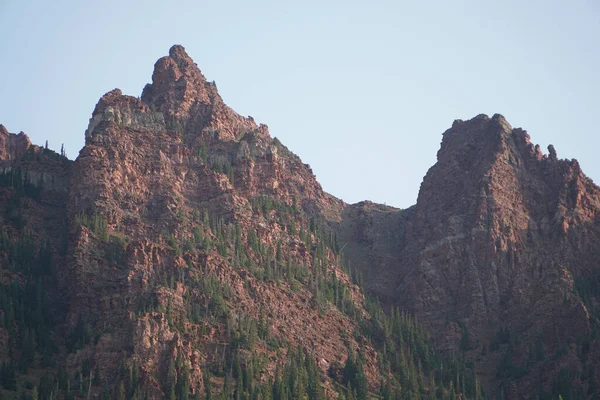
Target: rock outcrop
pixel 185 250
pixel 497 242
pixel 164 175
pixel 12 147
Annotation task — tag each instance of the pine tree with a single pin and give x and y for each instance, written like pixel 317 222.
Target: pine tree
pixel 349 368
pixel 171 378
pixel 432 387
pixel 355 376
pixel 183 385
pixel 386 392
pixel 172 395
pixel 478 395
pixel 133 378
pixel 226 393
pixel 207 386
pixel 314 389
pixel 121 395
pixel 278 388
pixel 349 392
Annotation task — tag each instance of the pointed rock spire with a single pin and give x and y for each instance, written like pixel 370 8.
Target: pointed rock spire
pixel 177 52
pixel 177 83
pixel 188 102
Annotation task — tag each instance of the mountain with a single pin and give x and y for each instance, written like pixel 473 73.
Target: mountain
pixel 186 253
pixel 498 259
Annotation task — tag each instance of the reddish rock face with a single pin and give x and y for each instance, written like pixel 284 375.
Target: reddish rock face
pixel 497 239
pixel 157 170
pixel 192 105
pixel 181 220
pixel 12 146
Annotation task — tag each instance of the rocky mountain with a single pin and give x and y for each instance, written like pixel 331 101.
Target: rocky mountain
pixel 498 259
pixel 186 253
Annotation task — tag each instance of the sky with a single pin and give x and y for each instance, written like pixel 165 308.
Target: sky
pixel 360 90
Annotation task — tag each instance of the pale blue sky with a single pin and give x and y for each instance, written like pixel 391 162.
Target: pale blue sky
pixel 360 90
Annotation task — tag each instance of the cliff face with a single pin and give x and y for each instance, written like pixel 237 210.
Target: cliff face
pixel 499 238
pixel 186 251
pixel 12 146
pixel 182 234
pixel 177 182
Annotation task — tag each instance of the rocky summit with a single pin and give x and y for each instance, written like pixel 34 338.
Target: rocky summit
pixel 187 254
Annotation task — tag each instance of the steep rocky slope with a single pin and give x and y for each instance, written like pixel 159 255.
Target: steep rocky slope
pixel 184 197
pixel 187 253
pixel 184 253
pixel 491 257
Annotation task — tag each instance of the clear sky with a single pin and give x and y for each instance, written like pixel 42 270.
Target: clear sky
pixel 361 90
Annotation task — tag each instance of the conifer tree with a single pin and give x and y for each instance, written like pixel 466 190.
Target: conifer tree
pixel 207 386
pixel 171 380
pixel 227 391
pixel 121 395
pixel 432 387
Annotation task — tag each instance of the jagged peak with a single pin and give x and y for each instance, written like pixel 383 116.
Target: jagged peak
pixel 185 64
pixel 179 98
pixel 177 78
pixel 481 121
pixel 116 98
pixel 468 151
pixel 477 140
pixel 109 98
pixel 477 151
pixel 21 135
pixel 482 137
pixel 122 110
pixel 13 146
pixel 112 94
pixel 182 94
pixel 177 52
